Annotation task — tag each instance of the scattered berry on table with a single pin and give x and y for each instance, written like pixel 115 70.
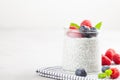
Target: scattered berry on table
pixel 102 75
pixel 116 58
pixel 110 53
pixel 115 73
pixel 104 68
pixel 108 72
pixel 105 60
pixel 81 72
pixel 112 73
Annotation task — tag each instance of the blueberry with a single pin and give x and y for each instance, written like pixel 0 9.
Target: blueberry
pixel 88 32
pixel 87 35
pixel 81 72
pixel 84 29
pixel 104 68
pixel 93 31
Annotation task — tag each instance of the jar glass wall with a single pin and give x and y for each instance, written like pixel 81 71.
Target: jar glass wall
pixel 81 50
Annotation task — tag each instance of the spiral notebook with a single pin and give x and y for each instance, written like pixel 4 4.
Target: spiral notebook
pixel 59 73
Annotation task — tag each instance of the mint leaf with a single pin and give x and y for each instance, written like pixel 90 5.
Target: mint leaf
pixel 98 25
pixel 75 25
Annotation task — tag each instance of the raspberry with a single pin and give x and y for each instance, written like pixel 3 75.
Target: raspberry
pixel 116 58
pixel 86 23
pixel 110 53
pixel 115 73
pixel 105 60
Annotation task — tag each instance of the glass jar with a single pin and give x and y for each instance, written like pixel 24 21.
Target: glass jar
pixel 81 50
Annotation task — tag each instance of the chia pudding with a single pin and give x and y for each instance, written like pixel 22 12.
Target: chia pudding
pixel 81 51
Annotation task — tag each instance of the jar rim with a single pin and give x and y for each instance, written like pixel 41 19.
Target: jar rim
pixel 77 31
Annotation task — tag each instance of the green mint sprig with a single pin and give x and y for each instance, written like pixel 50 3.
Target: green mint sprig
pixel 74 24
pixel 98 25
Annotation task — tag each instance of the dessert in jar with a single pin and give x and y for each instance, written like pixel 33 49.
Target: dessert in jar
pixel 81 47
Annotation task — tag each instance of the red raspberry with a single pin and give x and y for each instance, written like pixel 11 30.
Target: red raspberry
pixel 115 73
pixel 86 23
pixel 105 60
pixel 116 58
pixel 110 53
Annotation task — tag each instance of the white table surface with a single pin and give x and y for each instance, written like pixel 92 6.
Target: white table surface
pixel 25 50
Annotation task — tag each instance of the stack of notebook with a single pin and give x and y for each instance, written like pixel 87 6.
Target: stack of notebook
pixel 59 73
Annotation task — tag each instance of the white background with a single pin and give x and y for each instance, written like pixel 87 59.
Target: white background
pixel 31 31
pixel 58 13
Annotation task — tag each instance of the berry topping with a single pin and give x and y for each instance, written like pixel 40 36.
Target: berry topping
pixel 81 72
pixel 115 73
pixel 86 23
pixel 116 58
pixel 102 75
pixel 105 60
pixel 84 29
pixel 74 34
pixel 98 25
pixel 104 68
pixel 74 26
pixel 110 53
pixel 93 29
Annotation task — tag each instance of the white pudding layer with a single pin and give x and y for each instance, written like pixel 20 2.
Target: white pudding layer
pixel 82 53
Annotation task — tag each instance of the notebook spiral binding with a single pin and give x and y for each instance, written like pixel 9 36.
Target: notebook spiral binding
pixel 50 73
